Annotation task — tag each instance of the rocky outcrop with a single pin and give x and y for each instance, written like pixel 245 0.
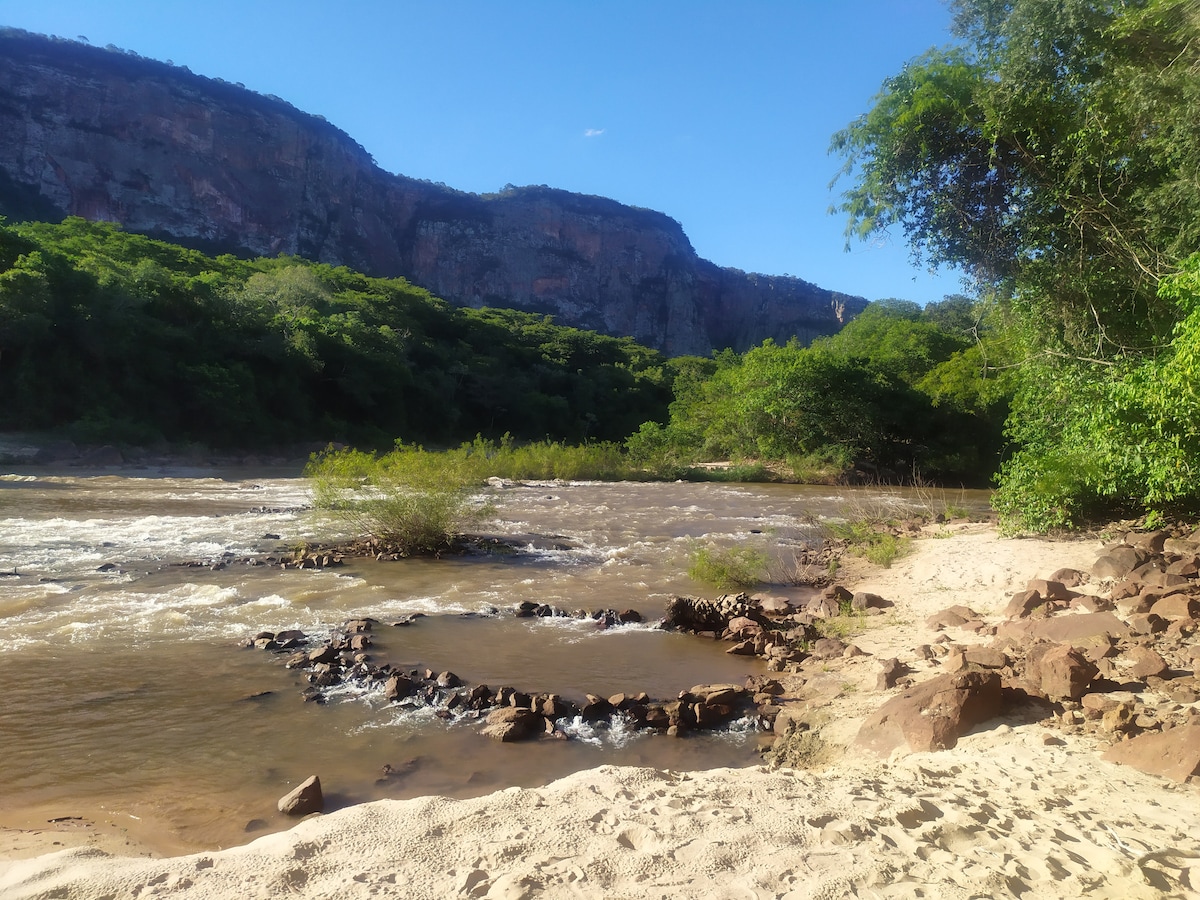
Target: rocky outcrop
pixel 112 136
pixel 304 800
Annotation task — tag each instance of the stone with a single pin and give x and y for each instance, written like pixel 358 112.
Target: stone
pixel 1065 673
pixel 985 657
pixel 511 723
pixel 1146 663
pixel 398 687
pixel 1068 577
pixel 305 799
pixel 1151 542
pixel 827 648
pixel 892 669
pixel 743 627
pixel 326 654
pixel 597 709
pixel 1173 754
pixel 1065 628
pixel 1147 623
pixel 934 714
pixel 863 600
pixel 1088 603
pixel 1176 606
pixel 1023 603
pixel 1117 563
pixel 1051 590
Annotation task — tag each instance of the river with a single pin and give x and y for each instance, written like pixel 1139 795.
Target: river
pixel 127 696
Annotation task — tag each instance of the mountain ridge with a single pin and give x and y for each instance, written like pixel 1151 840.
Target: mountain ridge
pixel 110 135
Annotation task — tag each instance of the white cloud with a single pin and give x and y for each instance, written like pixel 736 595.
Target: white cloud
pixel 593 132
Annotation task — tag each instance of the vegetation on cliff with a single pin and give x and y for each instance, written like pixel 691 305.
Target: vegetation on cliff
pixel 1053 156
pixel 113 336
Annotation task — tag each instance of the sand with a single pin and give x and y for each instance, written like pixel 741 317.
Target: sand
pixel 1003 814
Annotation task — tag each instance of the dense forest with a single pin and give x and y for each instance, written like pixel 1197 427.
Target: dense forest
pixel 113 336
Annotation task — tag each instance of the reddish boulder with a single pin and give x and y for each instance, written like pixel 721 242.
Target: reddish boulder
pixel 1066 628
pixel 1065 673
pixel 934 714
pixel 1117 563
pixel 1173 754
pixel 511 723
pixel 1146 663
pixel 1023 603
pixel 1176 606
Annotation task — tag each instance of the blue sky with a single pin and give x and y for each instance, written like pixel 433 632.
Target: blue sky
pixel 717 113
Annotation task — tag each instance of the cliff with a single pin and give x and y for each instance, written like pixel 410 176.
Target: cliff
pixel 106 134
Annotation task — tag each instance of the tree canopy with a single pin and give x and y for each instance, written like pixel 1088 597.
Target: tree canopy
pixel 1053 154
pixel 114 336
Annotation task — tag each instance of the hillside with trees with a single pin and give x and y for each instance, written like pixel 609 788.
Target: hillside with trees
pixel 112 336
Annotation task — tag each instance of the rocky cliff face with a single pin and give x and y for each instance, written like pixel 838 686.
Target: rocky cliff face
pixel 108 135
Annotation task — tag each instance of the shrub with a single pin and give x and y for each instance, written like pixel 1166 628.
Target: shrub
pixel 728 569
pixel 413 500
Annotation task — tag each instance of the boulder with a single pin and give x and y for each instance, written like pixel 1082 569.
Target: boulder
pixel 934 714
pixel 1146 663
pixel 892 669
pixel 985 657
pixel 1065 673
pixel 1066 628
pixel 1173 754
pixel 1023 603
pixel 305 799
pixel 827 648
pixel 511 723
pixel 1051 590
pixel 1117 563
pixel 1176 606
pixel 1147 623
pixel 1069 577
pixel 863 600
pixel 954 616
pixel 398 687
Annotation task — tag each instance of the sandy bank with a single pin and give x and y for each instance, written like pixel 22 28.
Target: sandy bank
pixel 1003 814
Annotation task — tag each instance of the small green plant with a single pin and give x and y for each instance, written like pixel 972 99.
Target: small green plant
pixel 841 625
pixel 415 501
pixel 732 568
pixel 872 541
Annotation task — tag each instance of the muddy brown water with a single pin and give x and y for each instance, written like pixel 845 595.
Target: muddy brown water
pixel 124 693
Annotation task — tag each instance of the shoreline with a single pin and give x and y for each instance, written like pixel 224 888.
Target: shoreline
pixel 1016 809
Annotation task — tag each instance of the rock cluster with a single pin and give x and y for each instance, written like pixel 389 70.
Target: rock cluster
pixel 605 618
pixel 760 627
pixel 510 714
pixel 1122 662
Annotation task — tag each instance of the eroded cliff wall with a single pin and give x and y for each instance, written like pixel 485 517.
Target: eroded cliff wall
pixel 108 135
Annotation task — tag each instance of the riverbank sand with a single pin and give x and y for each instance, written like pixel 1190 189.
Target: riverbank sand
pixel 1016 809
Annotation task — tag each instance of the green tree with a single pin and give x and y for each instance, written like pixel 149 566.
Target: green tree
pixel 1052 156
